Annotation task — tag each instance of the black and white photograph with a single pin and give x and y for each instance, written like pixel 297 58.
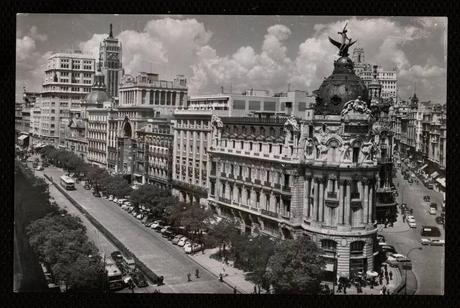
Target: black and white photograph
pixel 230 154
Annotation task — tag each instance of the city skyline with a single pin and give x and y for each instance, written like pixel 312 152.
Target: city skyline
pixel 261 52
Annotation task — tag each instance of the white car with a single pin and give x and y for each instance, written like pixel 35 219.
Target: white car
pixel 164 229
pixel 120 201
pixel 155 224
pixel 111 198
pixel 437 242
pixel 395 259
pixel 411 221
pixel 140 216
pixel 124 207
pixel 115 200
pixel 189 247
pixel 182 242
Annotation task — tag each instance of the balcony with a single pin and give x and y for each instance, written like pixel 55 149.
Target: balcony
pixel 230 176
pixel 332 195
pixel 355 195
pixel 223 174
pixel 269 213
pixel 225 200
pixel 248 180
pixel 257 181
pixel 267 184
pixel 239 177
pixel 277 186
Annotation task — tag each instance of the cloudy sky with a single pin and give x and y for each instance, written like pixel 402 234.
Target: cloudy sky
pixel 242 52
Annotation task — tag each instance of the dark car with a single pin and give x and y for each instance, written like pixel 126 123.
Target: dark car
pixel 96 194
pixel 116 256
pixel 426 198
pixel 159 227
pixel 139 280
pixel 440 220
pixel 168 234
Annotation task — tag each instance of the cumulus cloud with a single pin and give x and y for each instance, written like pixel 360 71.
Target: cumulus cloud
pixel 37 36
pixel 25 48
pixel 246 68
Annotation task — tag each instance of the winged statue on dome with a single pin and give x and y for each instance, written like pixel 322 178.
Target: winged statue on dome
pixel 345 44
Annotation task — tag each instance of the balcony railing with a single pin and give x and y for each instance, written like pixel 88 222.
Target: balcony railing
pixel 239 177
pixel 277 185
pixel 332 194
pixel 257 181
pixel 222 174
pixel 286 188
pixel 269 213
pixel 248 180
pixel 267 184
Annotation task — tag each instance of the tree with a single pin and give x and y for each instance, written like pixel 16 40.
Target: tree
pixel 115 185
pixel 222 233
pixel 153 198
pixel 295 267
pixel 256 255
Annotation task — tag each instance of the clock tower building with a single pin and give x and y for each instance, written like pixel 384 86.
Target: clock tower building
pixel 111 65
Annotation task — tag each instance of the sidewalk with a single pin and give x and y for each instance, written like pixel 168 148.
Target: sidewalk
pixel 393 285
pixel 398 226
pixel 232 276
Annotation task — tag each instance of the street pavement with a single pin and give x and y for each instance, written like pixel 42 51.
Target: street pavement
pixel 155 252
pixel 428 263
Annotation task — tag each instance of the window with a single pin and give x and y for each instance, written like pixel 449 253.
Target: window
pixel 286 180
pixel 281 149
pixel 270 148
pixel 249 173
pixel 310 131
pixel 268 176
pixel 269 106
pixel 250 146
pixel 254 105
pixel 239 105
pixel 242 145
pixel 355 154
pixel 328 245
pixel 260 147
pixel 356 248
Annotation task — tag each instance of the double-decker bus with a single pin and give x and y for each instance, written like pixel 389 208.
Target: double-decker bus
pixel 67 182
pixel 114 275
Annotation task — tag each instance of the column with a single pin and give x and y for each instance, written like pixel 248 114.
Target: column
pixel 366 202
pixel 321 200
pixel 306 209
pixel 315 200
pixel 361 192
pixel 341 202
pixel 347 204
pixel 171 102
pixel 371 204
pixel 154 97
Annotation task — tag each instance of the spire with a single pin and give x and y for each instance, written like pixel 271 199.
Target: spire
pixel 110 33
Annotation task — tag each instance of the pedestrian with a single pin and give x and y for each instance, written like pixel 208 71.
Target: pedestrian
pixel 344 289
pixel 255 289
pixel 197 273
pixel 384 289
pixel 188 277
pixel 234 290
pixel 221 277
pixel 404 218
pixel 391 275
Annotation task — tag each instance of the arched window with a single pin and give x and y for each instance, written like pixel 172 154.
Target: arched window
pixel 356 248
pixel 329 245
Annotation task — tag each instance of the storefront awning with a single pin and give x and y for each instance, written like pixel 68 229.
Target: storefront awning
pixel 434 174
pixel 23 137
pixel 441 181
pixel 329 267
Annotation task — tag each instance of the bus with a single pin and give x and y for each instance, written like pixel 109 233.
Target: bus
pixel 431 235
pixel 67 182
pixel 114 275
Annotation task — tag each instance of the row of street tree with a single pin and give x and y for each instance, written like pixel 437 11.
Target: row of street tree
pixel 289 266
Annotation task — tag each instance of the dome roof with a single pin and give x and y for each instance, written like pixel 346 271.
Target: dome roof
pixel 96 97
pixel 340 87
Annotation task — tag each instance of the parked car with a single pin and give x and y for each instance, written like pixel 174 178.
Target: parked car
pixel 140 216
pixel 396 259
pixel 192 247
pixel 411 221
pixel 426 198
pixel 115 199
pixel 116 256
pixel 111 197
pixel 388 249
pixel 182 241
pixel 45 165
pixel 96 194
pixel 410 180
pixel 130 209
pixel 428 234
pixel 380 238
pixel 429 186
pixel 155 224
pixel 437 242
pixel 165 228
pixel 177 238
pixel 168 234
pixel 139 279
pixel 120 201
pixel 124 207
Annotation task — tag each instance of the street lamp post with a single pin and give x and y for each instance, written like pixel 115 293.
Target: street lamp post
pixel 405 270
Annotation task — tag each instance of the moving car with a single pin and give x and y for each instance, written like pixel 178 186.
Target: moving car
pixel 426 198
pixel 430 233
pixel 116 256
pixel 411 221
pixel 437 242
pixel 388 249
pixel 139 280
pixel 396 259
pixel 433 208
pixel 440 220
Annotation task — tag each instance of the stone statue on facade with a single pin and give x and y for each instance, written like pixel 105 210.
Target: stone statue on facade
pixel 367 149
pixel 356 105
pixel 292 122
pixel 322 149
pixel 216 121
pixel 309 148
pixel 345 149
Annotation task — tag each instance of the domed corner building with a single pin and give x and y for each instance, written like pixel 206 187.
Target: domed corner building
pixel 340 172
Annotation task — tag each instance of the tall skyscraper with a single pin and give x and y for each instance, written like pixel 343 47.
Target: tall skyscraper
pixel 68 79
pixel 110 56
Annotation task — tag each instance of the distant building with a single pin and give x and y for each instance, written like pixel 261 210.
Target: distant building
pixel 68 79
pixel 23 117
pixel 110 55
pixel 388 79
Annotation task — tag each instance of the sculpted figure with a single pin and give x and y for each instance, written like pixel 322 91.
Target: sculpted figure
pixel 366 149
